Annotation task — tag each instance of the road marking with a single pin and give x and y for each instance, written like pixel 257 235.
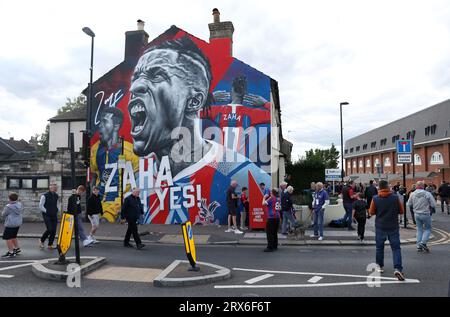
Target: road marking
pixel 319 285
pixel 311 273
pixel 6 276
pixel 16 266
pixel 315 279
pixel 258 278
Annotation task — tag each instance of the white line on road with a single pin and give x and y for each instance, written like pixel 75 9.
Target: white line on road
pixel 258 278
pixel 6 276
pixel 318 285
pixel 315 279
pixel 311 273
pixel 16 266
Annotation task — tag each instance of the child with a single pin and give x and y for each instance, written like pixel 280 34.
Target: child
pixel 360 214
pixel 245 207
pixel 13 221
pixel 273 204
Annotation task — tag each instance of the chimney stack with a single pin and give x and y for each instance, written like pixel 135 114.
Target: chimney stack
pixel 221 30
pixel 135 41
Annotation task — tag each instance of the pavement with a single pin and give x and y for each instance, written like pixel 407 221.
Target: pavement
pixel 213 234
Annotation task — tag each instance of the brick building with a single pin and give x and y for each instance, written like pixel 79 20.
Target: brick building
pixel 372 155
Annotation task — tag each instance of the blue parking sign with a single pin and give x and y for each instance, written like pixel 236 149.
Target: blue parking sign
pixel 404 146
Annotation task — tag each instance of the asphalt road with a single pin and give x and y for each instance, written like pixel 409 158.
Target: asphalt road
pixel 291 271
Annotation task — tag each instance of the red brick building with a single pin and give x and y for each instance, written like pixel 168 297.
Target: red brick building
pixel 372 155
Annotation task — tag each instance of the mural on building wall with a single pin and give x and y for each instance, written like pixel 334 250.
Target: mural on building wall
pixel 192 119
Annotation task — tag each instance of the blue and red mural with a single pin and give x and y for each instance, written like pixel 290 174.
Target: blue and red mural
pixel 192 118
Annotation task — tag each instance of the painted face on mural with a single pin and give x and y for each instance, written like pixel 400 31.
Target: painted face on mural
pixel 169 86
pixel 109 126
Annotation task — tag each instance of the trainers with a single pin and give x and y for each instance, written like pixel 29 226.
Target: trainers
pixel 88 242
pixel 380 270
pixel 17 251
pixel 424 247
pixel 238 231
pixel 9 255
pixel 399 275
pixel 229 230
pixel 320 238
pixel 140 246
pixel 41 244
pixel 313 236
pixel 128 245
pixel 94 239
pixel 51 247
pixel 419 248
pixel 361 241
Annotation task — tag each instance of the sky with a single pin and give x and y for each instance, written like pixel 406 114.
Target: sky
pixel 388 59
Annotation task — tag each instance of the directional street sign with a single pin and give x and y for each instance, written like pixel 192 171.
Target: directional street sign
pixel 404 146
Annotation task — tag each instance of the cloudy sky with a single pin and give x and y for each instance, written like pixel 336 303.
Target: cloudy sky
pixel 386 58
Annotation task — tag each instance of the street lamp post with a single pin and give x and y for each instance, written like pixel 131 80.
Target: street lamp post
pixel 342 141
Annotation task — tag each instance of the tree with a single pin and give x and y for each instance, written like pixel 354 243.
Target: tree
pixel 43 138
pixel 329 158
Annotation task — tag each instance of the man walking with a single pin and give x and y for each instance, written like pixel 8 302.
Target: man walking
pixel 132 210
pixel 287 208
pixel 48 205
pixel 422 202
pixel 444 194
pixel 386 207
pixel 94 210
pixel 74 208
pixel 370 191
pixel 321 200
pixel 232 199
pixel 348 197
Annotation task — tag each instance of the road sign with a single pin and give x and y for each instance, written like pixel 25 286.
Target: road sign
pixel 65 233
pixel 332 174
pixel 404 158
pixel 189 244
pixel 404 146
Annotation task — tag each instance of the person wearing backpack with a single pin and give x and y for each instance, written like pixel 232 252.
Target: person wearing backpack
pixel 13 220
pixel 273 204
pixel 360 214
pixel 287 209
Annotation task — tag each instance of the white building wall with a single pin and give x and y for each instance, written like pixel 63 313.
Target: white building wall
pixel 59 134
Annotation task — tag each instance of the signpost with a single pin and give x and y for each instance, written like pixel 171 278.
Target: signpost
pixel 404 156
pixel 332 175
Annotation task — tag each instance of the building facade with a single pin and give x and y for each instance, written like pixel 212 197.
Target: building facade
pixel 373 154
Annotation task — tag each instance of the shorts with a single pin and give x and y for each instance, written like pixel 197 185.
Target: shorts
pixel 10 233
pixel 232 211
pixel 94 219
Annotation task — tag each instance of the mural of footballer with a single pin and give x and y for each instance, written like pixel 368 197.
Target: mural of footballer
pixel 169 89
pixel 107 151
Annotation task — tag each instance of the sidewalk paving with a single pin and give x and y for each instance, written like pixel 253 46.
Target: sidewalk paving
pixel 213 234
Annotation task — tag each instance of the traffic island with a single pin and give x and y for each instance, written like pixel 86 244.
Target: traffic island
pixel 178 274
pixel 49 270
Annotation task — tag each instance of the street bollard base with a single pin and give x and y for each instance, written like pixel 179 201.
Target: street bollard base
pixel 194 269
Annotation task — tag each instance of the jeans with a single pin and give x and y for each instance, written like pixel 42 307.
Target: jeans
pixel 318 222
pixel 272 233
pixel 287 217
pixel 361 226
pixel 348 214
pixel 394 240
pixel 412 214
pixel 51 222
pixel 81 233
pixel 132 230
pixel 423 222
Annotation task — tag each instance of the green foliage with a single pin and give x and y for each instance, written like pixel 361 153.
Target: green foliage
pixel 311 167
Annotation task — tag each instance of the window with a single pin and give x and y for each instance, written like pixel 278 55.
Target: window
pixel 42 183
pixel 417 159
pixel 433 129
pixel 368 163
pixel 348 165
pixel 27 183
pixel 387 162
pixel 395 138
pixel 373 144
pixel 437 158
pixel 346 151
pixel 427 130
pixel 358 148
pixel 383 142
pixel 408 135
pixel 13 183
pixel 365 147
pixel 413 134
pixel 351 150
pixel 354 164
pixel 377 162
pixel 361 165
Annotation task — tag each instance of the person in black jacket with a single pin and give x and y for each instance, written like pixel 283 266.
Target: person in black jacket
pixel 93 210
pixel 287 208
pixel 132 210
pixel 74 208
pixel 370 192
pixel 48 204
